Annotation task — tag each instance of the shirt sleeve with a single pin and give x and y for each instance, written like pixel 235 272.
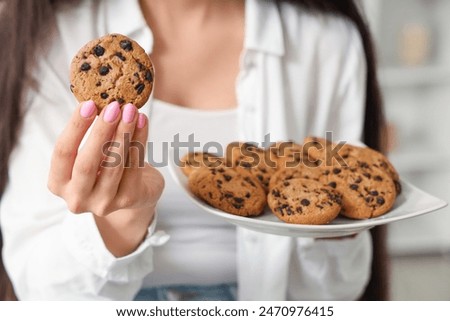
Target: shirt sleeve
pixel 50 253
pixel 336 269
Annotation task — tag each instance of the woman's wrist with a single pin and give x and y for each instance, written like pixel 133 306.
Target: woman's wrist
pixel 124 230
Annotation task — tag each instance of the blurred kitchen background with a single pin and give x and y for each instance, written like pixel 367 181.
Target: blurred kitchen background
pixel 413 42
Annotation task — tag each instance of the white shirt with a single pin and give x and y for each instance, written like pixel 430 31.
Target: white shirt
pixel 202 247
pixel 300 74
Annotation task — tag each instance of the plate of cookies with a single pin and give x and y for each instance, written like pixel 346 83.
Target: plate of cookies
pixel 314 189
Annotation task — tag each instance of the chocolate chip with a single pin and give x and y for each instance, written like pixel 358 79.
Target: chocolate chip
pixel 248 195
pixel 148 76
pixel 332 184
pixel 104 95
pixel 276 193
pixel 249 180
pixel 85 66
pixel 219 182
pixel 245 164
pixel 380 200
pixel 220 170
pixel 299 209
pixel 378 178
pixel 354 187
pixel 358 180
pixel 228 195
pixel 120 101
pixel 336 170
pixel 286 184
pixel 139 88
pixel 98 84
pixel 126 45
pixel 237 206
pixel 141 66
pixel 227 177
pixel 210 195
pixel 305 202
pixel 374 193
pixel 367 175
pixel 98 50
pixel 103 70
pixel 260 177
pixel 120 56
pixel 326 172
pixel 368 199
pixel 71 88
pixel 238 200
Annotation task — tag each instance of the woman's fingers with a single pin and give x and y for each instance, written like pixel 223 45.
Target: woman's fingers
pixel 67 145
pixel 115 157
pixel 91 155
pixel 137 170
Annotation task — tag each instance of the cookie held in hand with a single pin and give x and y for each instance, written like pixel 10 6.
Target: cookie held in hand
pixel 112 68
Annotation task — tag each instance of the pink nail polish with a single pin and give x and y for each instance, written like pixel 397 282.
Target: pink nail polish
pixel 111 112
pixel 142 120
pixel 87 109
pixel 128 113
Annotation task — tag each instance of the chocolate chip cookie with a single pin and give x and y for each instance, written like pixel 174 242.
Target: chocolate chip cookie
pixel 353 156
pixel 254 160
pixel 112 68
pixel 193 161
pixel 367 192
pixel 302 201
pixel 231 191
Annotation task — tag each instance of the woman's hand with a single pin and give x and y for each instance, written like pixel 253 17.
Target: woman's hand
pixel 122 194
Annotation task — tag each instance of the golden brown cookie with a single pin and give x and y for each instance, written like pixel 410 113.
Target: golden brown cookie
pixel 302 201
pixel 231 191
pixel 353 156
pixel 112 68
pixel 252 159
pixel 367 192
pixel 193 161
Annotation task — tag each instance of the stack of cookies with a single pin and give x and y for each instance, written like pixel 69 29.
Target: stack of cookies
pixel 310 183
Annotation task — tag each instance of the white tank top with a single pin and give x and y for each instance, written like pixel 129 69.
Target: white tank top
pixel 202 248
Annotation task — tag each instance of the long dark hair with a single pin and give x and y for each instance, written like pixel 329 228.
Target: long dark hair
pixel 25 24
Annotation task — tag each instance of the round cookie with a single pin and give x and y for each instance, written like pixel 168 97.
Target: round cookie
pixel 353 156
pixel 251 159
pixel 367 192
pixel 231 191
pixel 193 161
pixel 112 68
pixel 301 201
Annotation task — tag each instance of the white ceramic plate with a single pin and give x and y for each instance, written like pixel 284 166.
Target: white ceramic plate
pixel 410 203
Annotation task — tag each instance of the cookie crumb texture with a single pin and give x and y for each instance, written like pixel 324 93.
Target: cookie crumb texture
pixel 303 201
pixel 229 190
pixel 112 68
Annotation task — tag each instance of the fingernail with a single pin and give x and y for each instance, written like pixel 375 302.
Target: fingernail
pixel 87 109
pixel 128 113
pixel 111 112
pixel 142 120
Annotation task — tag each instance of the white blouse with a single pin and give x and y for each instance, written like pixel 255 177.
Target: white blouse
pixel 300 74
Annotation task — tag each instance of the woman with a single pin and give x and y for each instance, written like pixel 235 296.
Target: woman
pixel 302 67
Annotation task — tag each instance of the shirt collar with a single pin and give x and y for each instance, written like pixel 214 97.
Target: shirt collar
pixel 263 26
pixel 264 31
